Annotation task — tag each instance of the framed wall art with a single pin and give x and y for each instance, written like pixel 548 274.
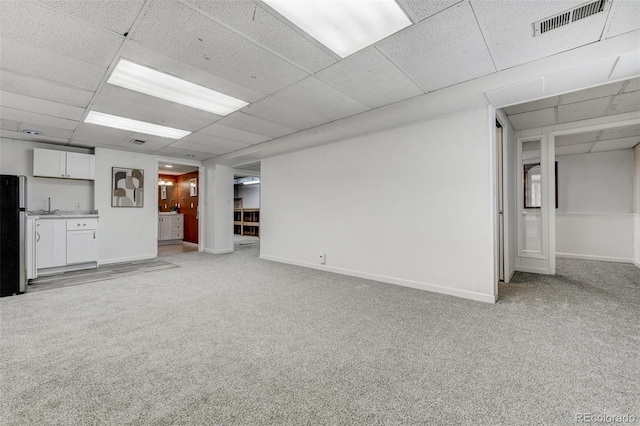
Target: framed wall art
pixel 127 187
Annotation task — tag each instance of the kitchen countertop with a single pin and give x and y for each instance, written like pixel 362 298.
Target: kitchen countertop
pixel 63 214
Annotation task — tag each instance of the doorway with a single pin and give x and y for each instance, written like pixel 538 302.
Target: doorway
pixel 246 209
pixel 179 191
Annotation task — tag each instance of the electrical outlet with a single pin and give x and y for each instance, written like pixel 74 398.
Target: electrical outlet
pixel 322 258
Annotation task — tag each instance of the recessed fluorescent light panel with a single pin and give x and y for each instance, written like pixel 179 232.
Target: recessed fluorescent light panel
pixel 151 82
pixel 107 120
pixel 344 26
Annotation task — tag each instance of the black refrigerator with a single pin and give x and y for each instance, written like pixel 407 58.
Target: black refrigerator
pixel 13 219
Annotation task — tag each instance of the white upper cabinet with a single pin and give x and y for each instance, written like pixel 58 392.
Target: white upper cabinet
pixel 63 165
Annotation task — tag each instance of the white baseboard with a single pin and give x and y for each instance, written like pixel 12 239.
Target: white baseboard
pixel 532 270
pixel 636 263
pixel 126 259
pixel 600 258
pixel 465 294
pixel 212 251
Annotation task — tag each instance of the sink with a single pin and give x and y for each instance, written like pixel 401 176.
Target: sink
pixel 48 213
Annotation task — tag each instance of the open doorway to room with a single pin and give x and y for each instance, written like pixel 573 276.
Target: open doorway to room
pixel 246 208
pixel 178 208
pixel 577 169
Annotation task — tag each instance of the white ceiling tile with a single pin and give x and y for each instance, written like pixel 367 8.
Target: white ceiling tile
pixel 237 135
pixel 434 59
pixel 177 30
pixel 593 93
pixel 183 144
pixel 583 110
pixel 182 153
pixel 44 89
pixel 139 54
pixel 508 25
pixel 47 131
pixel 632 85
pixel 620 132
pixel 40 106
pixel 627 102
pixel 151 142
pixel 53 30
pixel 138 106
pixel 271 109
pixel 114 15
pixel 423 9
pixel 624 17
pixel 240 120
pixel 533 119
pixel 32 138
pixel 614 144
pixel 579 138
pixel 92 133
pixel 532 106
pixel 49 65
pixel 582 148
pixel 37 119
pixel 214 141
pixel 11 125
pixel 359 73
pixel 320 98
pixel 248 18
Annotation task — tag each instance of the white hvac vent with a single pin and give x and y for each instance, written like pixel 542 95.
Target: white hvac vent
pixel 138 141
pixel 569 16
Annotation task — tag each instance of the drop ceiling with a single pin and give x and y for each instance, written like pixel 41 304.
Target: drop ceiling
pixel 56 57
pixel 610 99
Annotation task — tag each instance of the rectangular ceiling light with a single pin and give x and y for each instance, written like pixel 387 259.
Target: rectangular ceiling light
pixel 344 26
pixel 151 82
pixel 107 120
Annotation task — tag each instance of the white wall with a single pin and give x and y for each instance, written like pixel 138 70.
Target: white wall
pixel 126 233
pixel 637 204
pixel 250 195
pixel 600 182
pixel 356 201
pixel 594 219
pixel 17 159
pixel 219 208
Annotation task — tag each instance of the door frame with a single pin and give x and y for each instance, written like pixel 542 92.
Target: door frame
pixel 201 195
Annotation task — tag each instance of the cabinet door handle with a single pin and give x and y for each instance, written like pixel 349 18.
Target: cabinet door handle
pixel 84 224
pixel 38 234
pixel 94 235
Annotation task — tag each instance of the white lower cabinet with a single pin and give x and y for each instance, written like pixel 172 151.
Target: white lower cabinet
pixel 81 246
pixel 63 243
pixel 51 243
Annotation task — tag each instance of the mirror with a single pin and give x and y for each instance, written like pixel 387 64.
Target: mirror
pixel 193 187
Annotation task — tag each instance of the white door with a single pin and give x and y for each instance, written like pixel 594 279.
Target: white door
pixel 81 246
pixel 80 166
pixel 533 206
pixel 51 243
pixel 165 229
pixel 50 163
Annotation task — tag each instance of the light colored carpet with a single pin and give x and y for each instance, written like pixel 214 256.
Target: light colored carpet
pixel 230 339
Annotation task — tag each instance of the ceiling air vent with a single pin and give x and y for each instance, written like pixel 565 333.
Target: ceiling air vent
pixel 569 16
pixel 138 141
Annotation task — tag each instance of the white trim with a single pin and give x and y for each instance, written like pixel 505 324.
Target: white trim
pixel 512 273
pixel 221 251
pixel 599 258
pixel 532 270
pixel 637 264
pixel 127 259
pixel 465 294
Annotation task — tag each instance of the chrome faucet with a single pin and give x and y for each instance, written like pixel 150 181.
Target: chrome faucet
pixel 49 201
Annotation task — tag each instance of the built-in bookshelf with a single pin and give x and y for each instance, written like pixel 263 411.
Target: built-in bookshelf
pixel 245 221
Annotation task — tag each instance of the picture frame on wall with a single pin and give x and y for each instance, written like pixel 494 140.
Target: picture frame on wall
pixel 127 187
